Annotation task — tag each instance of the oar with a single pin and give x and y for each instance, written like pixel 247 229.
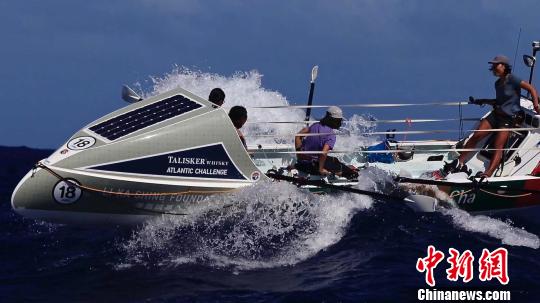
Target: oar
pixel 314 72
pixel 471 184
pixel 323 184
pixel 419 203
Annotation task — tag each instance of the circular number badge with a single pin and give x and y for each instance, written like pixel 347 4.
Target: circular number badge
pixel 80 143
pixel 67 192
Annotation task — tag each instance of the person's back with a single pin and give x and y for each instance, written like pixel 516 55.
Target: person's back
pixel 508 94
pixel 316 143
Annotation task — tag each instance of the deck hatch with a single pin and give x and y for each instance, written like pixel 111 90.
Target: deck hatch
pixel 145 116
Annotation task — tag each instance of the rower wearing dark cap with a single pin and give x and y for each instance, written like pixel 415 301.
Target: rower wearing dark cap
pixel 506 113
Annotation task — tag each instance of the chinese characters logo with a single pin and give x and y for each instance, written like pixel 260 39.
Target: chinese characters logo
pixel 490 265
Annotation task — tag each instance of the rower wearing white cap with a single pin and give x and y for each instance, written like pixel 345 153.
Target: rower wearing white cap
pixel 321 163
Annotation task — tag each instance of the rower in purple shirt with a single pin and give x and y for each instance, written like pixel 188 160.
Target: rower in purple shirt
pixel 321 163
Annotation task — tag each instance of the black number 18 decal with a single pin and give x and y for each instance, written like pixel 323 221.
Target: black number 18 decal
pixel 81 143
pixel 67 193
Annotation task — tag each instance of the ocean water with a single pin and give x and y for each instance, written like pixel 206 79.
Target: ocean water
pixel 270 242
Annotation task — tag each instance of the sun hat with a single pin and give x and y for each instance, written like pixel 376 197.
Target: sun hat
pixel 335 112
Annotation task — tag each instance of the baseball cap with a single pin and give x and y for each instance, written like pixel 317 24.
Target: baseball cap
pixel 335 112
pixel 500 59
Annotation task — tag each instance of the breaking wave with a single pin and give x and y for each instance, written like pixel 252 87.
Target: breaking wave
pixel 245 89
pixel 504 231
pixel 265 225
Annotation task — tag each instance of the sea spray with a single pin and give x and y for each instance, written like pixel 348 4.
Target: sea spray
pixel 378 179
pixel 504 231
pixel 266 225
pixel 246 89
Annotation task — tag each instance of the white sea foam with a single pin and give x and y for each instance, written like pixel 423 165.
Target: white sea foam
pixel 504 231
pixel 268 224
pixel 242 88
pixel 246 89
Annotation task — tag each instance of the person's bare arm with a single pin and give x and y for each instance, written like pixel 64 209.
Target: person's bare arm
pixel 528 87
pixel 299 137
pixel 298 140
pixel 473 100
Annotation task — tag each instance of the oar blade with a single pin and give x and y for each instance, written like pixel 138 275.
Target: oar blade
pixel 421 203
pixel 314 73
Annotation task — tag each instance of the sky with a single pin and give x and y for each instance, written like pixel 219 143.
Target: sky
pixel 62 62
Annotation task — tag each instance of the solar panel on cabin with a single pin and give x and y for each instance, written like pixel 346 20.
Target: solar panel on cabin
pixel 145 116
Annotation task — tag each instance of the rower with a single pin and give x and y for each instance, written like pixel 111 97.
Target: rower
pixel 238 115
pixel 217 96
pixel 506 114
pixel 322 164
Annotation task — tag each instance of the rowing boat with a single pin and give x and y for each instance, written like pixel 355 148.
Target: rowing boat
pixel 165 153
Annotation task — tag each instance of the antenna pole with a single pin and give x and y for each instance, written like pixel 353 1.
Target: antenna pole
pixel 536 47
pixel 517 46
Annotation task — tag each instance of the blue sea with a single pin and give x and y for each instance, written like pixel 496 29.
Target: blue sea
pixel 269 243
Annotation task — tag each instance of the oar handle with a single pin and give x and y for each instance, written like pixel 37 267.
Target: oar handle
pixel 314 73
pixel 310 101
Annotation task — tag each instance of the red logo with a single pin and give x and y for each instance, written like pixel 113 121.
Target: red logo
pixel 428 263
pixel 490 265
pixel 494 265
pixel 460 265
